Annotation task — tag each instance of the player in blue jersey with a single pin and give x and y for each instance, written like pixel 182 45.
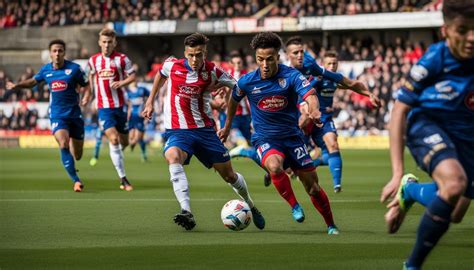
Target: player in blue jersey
pixel 325 137
pixel 64 79
pixel 272 91
pixel 326 80
pixel 136 123
pixel 435 111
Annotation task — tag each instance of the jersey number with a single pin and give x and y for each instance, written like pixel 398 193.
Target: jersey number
pixel 300 152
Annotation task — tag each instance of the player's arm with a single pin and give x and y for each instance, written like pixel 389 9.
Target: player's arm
pixel 360 88
pixel 304 115
pixel 86 98
pixel 313 108
pixel 130 78
pixel 231 109
pixel 158 82
pixel 29 83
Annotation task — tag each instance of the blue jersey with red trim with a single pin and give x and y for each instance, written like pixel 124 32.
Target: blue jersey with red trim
pixel 442 88
pixel 62 83
pixel 273 101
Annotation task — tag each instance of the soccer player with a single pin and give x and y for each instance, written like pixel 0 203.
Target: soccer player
pixel 272 91
pixel 63 78
pixel 329 79
pixel 326 136
pixel 110 72
pixel 136 99
pixel 189 126
pixel 434 110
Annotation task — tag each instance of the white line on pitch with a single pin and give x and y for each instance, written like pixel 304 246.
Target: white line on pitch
pixel 160 200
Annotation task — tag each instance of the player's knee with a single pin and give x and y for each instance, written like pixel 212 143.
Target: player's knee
pixel 333 146
pixel 455 186
pixel 63 143
pixel 274 168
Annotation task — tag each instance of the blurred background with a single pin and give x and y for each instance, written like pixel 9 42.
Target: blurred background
pixel 377 42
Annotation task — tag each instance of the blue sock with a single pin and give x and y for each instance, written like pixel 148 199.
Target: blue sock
pixel 252 153
pixel 98 143
pixel 335 166
pixel 434 223
pixel 68 163
pixel 423 193
pixel 142 144
pixel 322 160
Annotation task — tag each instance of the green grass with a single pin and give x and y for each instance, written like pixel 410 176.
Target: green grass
pixel 46 225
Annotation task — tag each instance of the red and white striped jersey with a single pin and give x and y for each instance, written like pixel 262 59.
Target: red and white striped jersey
pixel 187 103
pixel 107 70
pixel 244 107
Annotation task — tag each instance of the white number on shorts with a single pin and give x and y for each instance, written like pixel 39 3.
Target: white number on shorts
pixel 300 152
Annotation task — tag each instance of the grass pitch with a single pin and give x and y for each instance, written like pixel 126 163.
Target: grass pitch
pixel 44 224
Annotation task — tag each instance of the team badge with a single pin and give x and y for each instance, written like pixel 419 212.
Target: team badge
pixel 68 71
pixel 282 82
pixel 204 75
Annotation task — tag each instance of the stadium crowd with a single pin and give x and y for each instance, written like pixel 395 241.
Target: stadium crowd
pixel 387 65
pixel 45 13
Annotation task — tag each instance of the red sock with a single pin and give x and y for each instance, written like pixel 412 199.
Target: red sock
pixel 321 203
pixel 283 185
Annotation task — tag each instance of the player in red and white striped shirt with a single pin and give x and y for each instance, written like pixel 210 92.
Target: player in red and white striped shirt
pixel 189 125
pixel 110 72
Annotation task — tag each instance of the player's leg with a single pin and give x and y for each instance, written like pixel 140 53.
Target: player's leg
pixel 132 137
pixel 238 184
pixel 320 200
pixel 273 161
pixel 452 182
pixel 98 142
pixel 140 140
pixel 61 134
pixel 317 137
pixel 76 134
pixel 334 158
pixel 178 152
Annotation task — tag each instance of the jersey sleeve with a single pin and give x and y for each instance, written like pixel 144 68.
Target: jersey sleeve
pixel 223 77
pixel 165 69
pixel 316 70
pixel 127 66
pixel 420 76
pixel 301 85
pixel 39 77
pixel 91 66
pixel 237 92
pixel 81 77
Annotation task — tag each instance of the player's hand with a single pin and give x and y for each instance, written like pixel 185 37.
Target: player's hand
pixel 10 85
pixel 315 116
pixel 223 134
pixel 116 85
pixel 147 112
pixel 375 101
pixel 390 189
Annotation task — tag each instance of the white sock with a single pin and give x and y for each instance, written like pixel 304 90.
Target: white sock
pixel 180 185
pixel 240 187
pixel 116 154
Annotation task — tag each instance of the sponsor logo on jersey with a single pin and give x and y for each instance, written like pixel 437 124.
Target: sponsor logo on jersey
pixel 469 100
pixel 106 74
pixel 177 72
pixel 58 85
pixel 418 73
pixel 189 90
pixel 282 82
pixel 49 75
pixel 68 71
pixel 433 139
pixel 444 87
pixel 272 103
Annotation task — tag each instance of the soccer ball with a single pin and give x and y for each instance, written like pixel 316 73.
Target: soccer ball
pixel 236 215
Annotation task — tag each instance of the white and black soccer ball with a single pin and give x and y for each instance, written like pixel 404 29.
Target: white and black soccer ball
pixel 236 215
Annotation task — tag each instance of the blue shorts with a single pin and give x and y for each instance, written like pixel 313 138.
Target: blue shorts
pixel 113 117
pixel 318 132
pixel 293 150
pixel 136 122
pixel 242 123
pixel 201 142
pixel 75 126
pixel 429 144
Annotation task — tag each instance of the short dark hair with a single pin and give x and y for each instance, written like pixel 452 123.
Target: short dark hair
pixel 195 39
pixel 457 8
pixel 57 42
pixel 265 40
pixel 294 40
pixel 330 54
pixel 234 55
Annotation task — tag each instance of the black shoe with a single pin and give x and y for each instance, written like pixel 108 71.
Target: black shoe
pixel 125 184
pixel 258 219
pixel 267 180
pixel 185 219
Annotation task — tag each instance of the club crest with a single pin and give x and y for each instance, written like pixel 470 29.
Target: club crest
pixel 282 82
pixel 205 75
pixel 68 71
